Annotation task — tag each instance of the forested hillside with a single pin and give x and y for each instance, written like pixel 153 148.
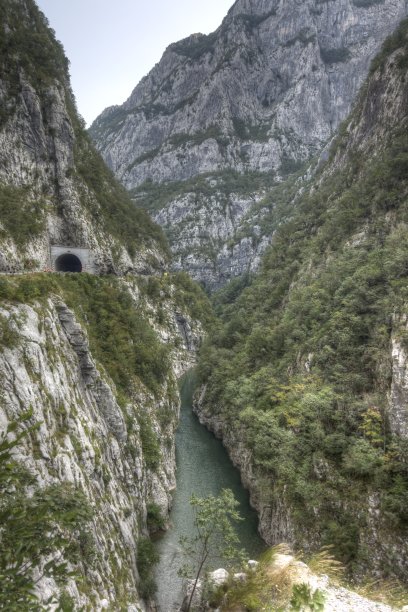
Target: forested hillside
pixel 306 374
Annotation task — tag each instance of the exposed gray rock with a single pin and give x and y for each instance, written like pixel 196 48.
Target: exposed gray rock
pixel 209 234
pixel 189 338
pixel 83 438
pixel 398 401
pixel 218 577
pixel 102 392
pixel 273 82
pixel 264 93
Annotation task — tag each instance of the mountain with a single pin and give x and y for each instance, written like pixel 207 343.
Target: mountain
pixel 222 118
pixel 54 187
pixel 305 377
pixel 89 363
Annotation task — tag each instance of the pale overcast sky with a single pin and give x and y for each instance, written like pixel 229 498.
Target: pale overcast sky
pixel 112 44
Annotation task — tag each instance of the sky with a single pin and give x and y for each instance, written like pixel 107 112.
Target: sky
pixel 112 44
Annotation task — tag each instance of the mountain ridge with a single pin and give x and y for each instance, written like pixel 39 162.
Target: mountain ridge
pixel 305 376
pixel 257 99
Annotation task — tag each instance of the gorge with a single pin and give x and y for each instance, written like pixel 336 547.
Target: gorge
pixel 274 155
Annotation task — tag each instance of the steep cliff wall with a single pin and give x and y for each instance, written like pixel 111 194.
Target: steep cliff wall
pixel 262 94
pixel 273 81
pixel 106 409
pixel 88 364
pixel 305 376
pixel 54 188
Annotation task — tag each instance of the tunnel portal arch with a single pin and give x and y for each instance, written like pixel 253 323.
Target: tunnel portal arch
pixel 68 262
pixel 72 259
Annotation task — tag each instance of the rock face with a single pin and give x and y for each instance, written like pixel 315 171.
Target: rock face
pixel 399 386
pixel 367 163
pixel 203 231
pixel 54 188
pixel 104 423
pixel 263 93
pixel 86 438
pixel 273 82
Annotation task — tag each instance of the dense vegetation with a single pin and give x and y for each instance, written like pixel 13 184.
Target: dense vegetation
pixel 38 55
pixel 300 361
pixel 21 218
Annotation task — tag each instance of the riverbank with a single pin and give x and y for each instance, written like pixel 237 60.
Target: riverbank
pixel 203 468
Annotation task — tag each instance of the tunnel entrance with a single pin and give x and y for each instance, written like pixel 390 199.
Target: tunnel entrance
pixel 68 263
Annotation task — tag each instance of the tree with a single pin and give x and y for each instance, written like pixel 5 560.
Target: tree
pixel 214 535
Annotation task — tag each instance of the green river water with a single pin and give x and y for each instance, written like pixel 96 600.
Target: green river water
pixel 203 468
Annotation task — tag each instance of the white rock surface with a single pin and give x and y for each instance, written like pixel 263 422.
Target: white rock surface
pixel 218 577
pixel 263 93
pixel 84 436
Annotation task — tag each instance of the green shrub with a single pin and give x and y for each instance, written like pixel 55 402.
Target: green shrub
pixel 9 337
pixel 66 603
pixel 335 56
pixel 155 520
pixel 362 459
pixel 147 557
pixel 150 443
pixel 253 21
pixel 304 599
pixel 248 131
pixel 195 46
pixel 21 218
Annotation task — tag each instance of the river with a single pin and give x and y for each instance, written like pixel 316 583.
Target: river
pixel 203 468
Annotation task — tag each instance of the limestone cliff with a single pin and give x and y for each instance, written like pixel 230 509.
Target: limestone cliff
pixel 114 443
pixel 89 363
pixel 54 188
pixel 262 94
pixel 305 378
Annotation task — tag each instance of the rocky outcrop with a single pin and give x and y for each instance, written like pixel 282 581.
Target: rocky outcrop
pixel 54 188
pixel 101 391
pixel 263 94
pixel 214 237
pixel 272 83
pixel 398 400
pixel 87 438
